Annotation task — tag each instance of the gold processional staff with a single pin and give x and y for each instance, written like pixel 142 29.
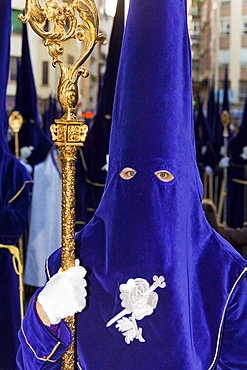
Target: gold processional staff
pixel 68 132
pixel 15 123
pixel 222 212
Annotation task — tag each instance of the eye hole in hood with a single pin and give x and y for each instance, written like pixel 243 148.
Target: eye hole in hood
pixel 127 173
pixel 164 175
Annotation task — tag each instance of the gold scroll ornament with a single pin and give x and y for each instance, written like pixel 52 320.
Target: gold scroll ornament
pixel 68 132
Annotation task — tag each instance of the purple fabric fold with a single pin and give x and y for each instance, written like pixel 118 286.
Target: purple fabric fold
pixel 40 349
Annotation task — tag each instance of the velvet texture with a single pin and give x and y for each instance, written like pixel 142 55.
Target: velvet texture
pixel 13 212
pixel 97 143
pixel 26 103
pixel 41 344
pixel 50 115
pixel 145 227
pixel 236 197
pixel 10 319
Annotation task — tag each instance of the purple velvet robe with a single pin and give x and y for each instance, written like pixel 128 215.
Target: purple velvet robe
pixel 14 207
pixel 145 229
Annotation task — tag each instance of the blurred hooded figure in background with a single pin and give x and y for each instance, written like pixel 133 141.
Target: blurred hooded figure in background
pixel 165 290
pixel 15 184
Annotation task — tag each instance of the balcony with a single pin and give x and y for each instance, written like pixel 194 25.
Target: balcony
pixel 195 39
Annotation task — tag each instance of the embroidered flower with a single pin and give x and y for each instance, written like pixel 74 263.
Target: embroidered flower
pixel 139 300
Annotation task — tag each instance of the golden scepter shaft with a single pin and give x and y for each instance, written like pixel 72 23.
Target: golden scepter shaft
pixel 15 123
pixel 225 120
pixel 68 132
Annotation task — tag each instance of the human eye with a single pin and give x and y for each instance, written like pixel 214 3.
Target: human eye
pixel 164 175
pixel 127 173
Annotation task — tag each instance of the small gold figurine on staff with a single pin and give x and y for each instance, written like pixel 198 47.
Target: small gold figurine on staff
pixel 68 132
pixel 15 123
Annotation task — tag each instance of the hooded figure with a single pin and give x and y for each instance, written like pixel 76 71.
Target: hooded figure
pixel 237 176
pixel 30 135
pixel 165 290
pixel 45 217
pixel 15 185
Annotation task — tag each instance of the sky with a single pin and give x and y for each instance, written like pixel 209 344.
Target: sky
pixel 110 6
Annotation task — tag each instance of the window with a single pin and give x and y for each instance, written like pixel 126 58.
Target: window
pixel 245 27
pixel 196 28
pixel 13 68
pixel 225 27
pixel 45 76
pixel 16 24
pixel 195 10
pixel 244 57
pixel 242 90
pixel 224 57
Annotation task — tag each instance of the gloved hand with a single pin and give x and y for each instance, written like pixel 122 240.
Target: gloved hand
pixel 209 171
pixel 64 294
pixel 224 162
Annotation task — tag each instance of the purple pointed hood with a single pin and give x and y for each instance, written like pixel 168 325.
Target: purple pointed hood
pixel 13 176
pixel 150 221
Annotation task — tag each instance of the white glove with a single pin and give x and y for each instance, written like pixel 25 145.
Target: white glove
pixel 64 294
pixel 224 162
pixel 208 170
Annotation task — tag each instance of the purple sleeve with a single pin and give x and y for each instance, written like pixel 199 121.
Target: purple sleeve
pixel 39 347
pixel 234 340
pixel 54 330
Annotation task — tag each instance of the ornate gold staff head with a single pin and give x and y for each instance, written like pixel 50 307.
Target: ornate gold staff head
pixel 64 18
pixel 15 123
pixel 68 133
pixel 225 120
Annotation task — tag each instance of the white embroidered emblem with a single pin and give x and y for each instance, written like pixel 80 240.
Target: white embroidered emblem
pixel 139 300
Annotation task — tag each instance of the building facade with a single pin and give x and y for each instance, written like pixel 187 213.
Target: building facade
pixel 219 41
pixel 45 75
pixel 195 36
